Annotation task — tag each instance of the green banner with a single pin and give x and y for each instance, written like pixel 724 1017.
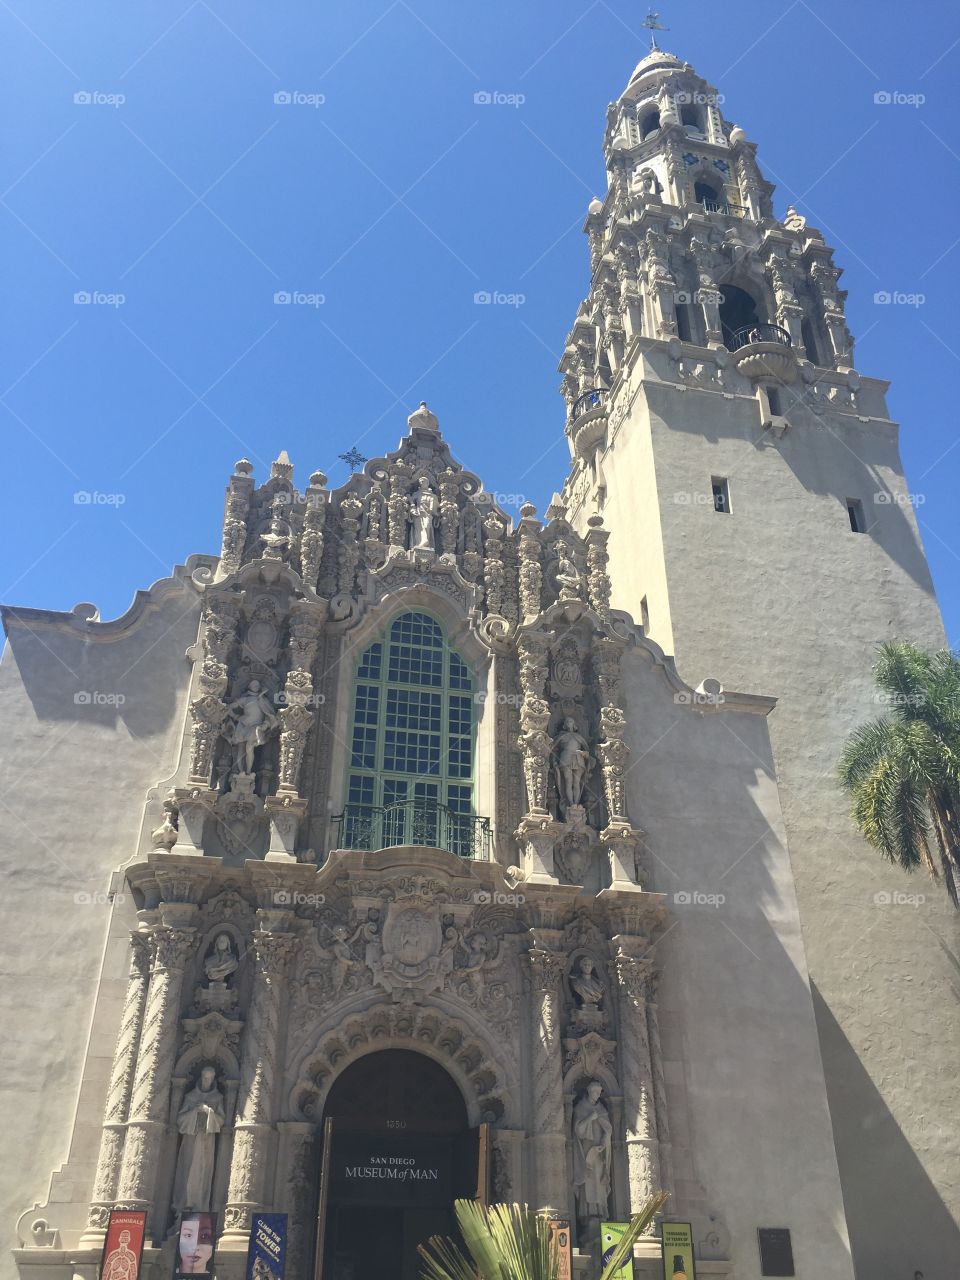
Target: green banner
pixel 611 1233
pixel 676 1243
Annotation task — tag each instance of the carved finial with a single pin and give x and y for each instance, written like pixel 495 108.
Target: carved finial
pixel 528 511
pixel 243 468
pixel 423 419
pixel 557 509
pixel 283 467
pixel 317 480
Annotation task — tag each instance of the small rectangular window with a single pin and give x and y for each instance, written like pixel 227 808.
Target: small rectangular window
pixel 645 614
pixel 855 512
pixel 721 494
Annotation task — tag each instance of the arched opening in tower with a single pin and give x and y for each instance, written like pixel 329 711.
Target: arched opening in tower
pixel 738 311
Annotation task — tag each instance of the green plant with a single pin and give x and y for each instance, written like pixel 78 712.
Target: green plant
pixel 512 1242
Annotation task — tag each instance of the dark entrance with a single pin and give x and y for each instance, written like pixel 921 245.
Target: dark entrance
pixel 397 1152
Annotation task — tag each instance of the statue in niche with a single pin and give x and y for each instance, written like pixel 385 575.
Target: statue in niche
pixel 424 513
pixel 585 984
pixel 199 1120
pixel 592 1157
pixel 251 721
pixel 222 960
pixel 567 575
pixel 572 763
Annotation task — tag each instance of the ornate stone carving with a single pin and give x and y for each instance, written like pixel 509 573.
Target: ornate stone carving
pixel 165 836
pixel 572 763
pixel 592 1159
pixel 613 754
pixel 235 518
pixel 249 722
pixel 423 515
pixel 530 574
pixel 199 1121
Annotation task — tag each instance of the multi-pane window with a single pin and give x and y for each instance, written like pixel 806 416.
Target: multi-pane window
pixel 411 750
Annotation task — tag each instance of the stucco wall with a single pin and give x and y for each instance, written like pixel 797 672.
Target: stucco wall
pixel 73 777
pixel 749 1118
pixel 780 596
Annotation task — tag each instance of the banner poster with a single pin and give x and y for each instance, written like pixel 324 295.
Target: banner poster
pixel 676 1243
pixel 268 1246
pixel 194 1257
pixel 611 1233
pixel 123 1246
pixel 560 1231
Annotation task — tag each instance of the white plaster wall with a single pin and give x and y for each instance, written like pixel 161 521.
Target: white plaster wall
pixel 73 778
pixel 780 597
pixel 748 1109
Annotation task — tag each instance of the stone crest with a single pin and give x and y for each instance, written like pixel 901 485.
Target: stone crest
pixel 409 959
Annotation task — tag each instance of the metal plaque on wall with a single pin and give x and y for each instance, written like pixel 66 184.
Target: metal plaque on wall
pixel 776 1251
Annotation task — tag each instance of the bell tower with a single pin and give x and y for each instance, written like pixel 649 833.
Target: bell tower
pixel 762 530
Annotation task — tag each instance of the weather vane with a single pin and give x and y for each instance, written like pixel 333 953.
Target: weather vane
pixel 653 24
pixel 353 459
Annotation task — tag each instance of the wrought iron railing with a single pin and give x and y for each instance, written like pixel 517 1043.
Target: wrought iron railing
pixel 757 333
pixel 592 399
pixel 424 823
pixel 728 207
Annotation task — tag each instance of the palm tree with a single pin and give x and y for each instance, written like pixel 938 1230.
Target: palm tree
pixel 903 769
pixel 511 1242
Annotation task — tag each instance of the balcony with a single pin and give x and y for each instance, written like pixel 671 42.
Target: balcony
pixel 588 420
pixel 763 352
pixel 727 207
pixel 422 824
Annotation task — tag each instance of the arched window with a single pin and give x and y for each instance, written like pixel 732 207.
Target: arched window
pixel 410 780
pixel 738 311
pixel 690 118
pixel 708 195
pixel 650 123
pixel 809 340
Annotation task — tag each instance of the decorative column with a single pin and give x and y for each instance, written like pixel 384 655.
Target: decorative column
pixel 631 975
pixel 296 1190
pixel 118 1092
pixel 548 1139
pixel 531 575
pixel 659 1084
pixel 661 286
pixel 286 809
pixel 789 311
pixel 253 1130
pixel 311 538
pixel 598 579
pixel 173 944
pixel 235 518
pixel 493 570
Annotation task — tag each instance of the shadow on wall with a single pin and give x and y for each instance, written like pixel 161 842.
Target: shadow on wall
pixel 880 1172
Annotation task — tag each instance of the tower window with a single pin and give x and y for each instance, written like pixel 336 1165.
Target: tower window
pixel 650 124
pixel 683 322
pixel 858 522
pixel 773 400
pixel 708 195
pixel 410 780
pixel 721 494
pixel 690 117
pixel 809 341
pixel 645 615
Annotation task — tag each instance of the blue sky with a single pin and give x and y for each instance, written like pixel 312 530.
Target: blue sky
pixel 184 187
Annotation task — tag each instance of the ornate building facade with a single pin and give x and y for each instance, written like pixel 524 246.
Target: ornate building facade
pixel 436 838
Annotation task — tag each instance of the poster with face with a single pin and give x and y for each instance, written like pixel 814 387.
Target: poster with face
pixel 123 1245
pixel 195 1245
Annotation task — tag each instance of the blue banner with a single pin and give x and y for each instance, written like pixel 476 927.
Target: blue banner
pixel 268 1246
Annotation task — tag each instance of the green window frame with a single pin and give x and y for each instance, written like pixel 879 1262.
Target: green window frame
pixel 412 741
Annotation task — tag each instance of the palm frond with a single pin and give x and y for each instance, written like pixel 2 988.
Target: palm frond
pixel 637 1226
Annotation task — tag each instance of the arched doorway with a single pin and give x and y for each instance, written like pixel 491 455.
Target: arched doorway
pixel 397 1152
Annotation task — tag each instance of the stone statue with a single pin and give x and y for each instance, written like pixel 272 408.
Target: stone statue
pixel 222 960
pixel 585 984
pixel 251 721
pixel 567 575
pixel 199 1120
pixel 121 1263
pixel 592 1152
pixel 572 762
pixel 424 509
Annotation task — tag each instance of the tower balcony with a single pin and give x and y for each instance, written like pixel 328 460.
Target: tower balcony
pixel 763 352
pixel 588 420
pixel 729 208
pixel 420 823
